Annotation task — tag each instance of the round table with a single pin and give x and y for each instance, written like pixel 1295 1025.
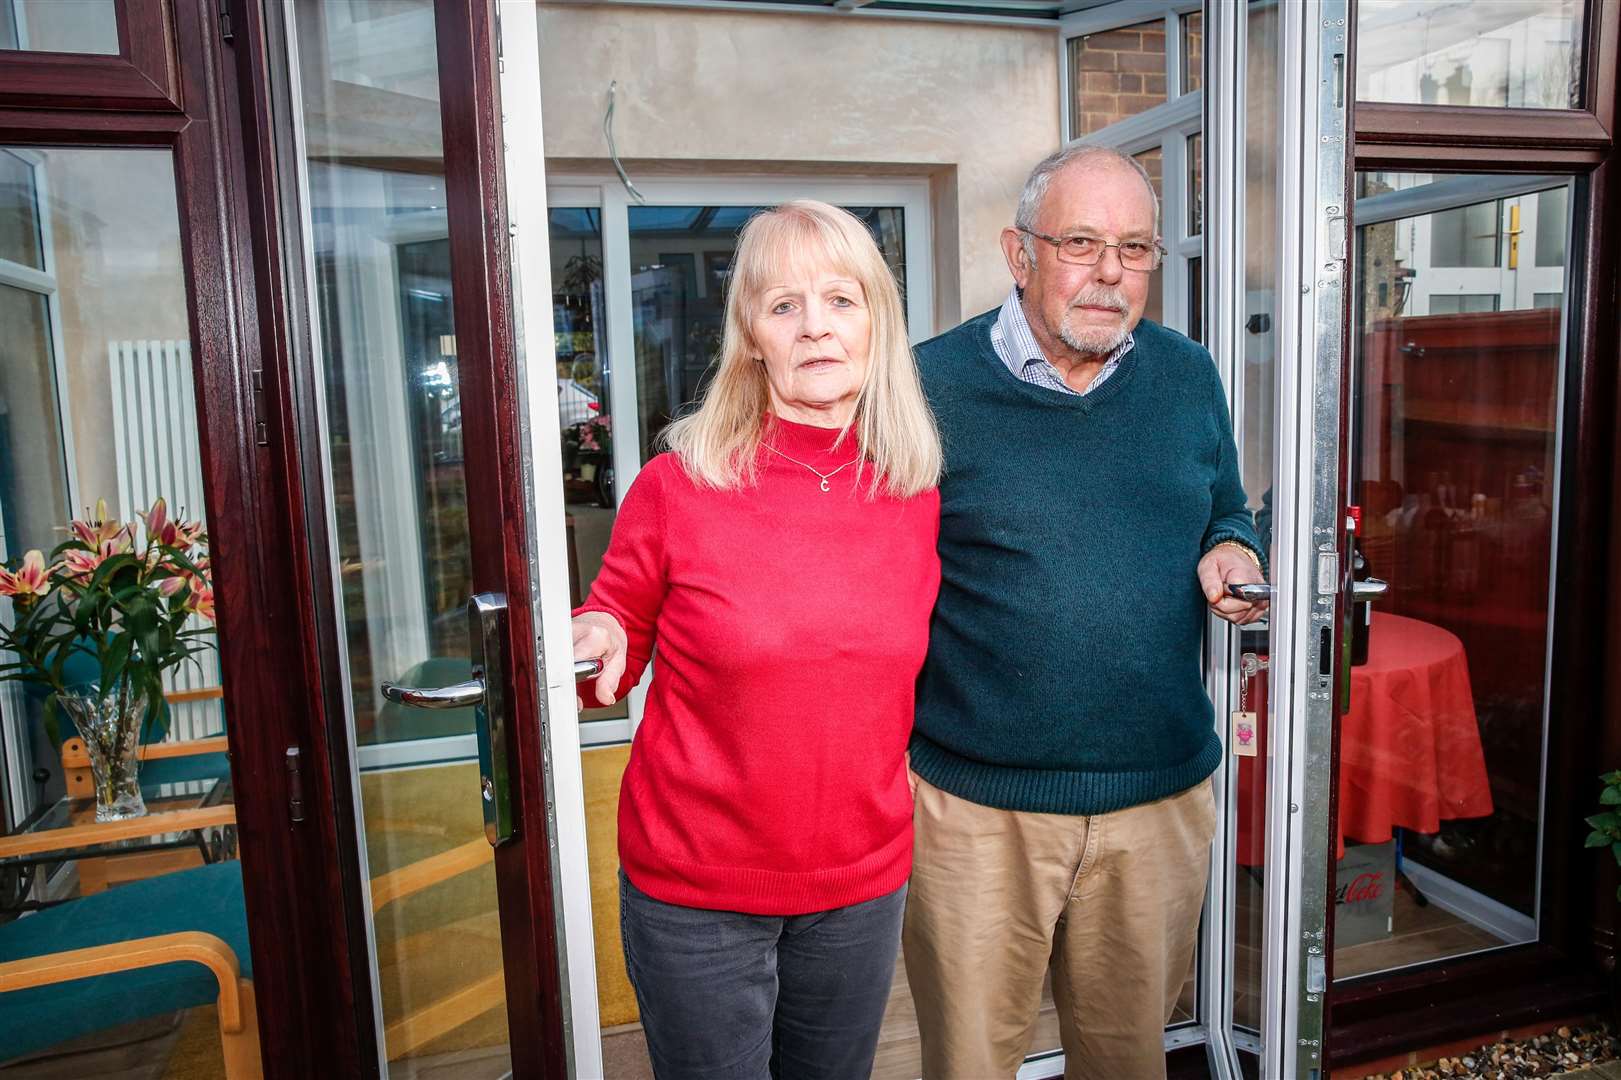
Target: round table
pixel 1410 751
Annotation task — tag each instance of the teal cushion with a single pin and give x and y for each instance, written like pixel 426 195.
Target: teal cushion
pixel 400 723
pixel 207 898
pixel 177 770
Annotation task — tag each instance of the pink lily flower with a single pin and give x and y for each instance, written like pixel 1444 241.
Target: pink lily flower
pixel 81 564
pixel 201 599
pixel 30 580
pixel 99 530
pixel 158 526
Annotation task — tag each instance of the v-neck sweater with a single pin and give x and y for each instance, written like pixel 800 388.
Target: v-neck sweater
pixel 1064 669
pixel 768 774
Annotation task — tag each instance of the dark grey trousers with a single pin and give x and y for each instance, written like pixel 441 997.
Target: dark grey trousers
pixel 728 996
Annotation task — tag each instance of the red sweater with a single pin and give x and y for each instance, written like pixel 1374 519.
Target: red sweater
pixel 768 774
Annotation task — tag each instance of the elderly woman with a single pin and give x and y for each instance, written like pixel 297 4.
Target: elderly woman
pixel 781 558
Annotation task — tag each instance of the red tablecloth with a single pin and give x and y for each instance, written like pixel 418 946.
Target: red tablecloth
pixel 1410 753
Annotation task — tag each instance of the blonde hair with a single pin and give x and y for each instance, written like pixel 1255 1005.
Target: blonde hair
pixel 719 442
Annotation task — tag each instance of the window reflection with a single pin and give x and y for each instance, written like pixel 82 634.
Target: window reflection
pixel 65 26
pixel 1518 54
pixel 1459 363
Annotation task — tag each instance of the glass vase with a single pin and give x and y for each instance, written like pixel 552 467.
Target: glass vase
pixel 110 725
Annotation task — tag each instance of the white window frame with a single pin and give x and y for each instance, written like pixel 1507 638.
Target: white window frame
pixel 608 196
pixel 1169 128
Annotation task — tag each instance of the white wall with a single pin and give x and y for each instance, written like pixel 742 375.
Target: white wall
pixel 971 107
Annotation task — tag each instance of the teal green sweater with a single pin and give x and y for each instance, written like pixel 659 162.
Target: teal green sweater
pixel 1063 672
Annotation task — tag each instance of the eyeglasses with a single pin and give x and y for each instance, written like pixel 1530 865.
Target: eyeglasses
pixel 1083 250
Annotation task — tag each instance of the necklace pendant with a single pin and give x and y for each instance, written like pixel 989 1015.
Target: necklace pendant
pixel 824 484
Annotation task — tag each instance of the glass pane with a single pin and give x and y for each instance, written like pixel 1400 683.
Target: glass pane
pixel 387 349
pixel 585 413
pixel 1247 776
pixel 1195 185
pixel 1454 456
pixel 1115 74
pixel 680 258
pixel 20 239
pixel 1462 303
pixel 1153 163
pixel 97 402
pixel 1517 54
pixel 1196 299
pixel 1192 51
pixel 67 26
pixel 1465 236
pixel 1552 226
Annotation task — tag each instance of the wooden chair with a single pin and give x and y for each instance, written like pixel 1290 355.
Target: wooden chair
pixel 178 941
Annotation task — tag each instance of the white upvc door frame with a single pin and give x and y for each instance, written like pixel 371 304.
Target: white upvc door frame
pixel 1169 128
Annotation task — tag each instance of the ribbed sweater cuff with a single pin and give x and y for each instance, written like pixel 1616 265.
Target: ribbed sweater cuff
pixel 1057 791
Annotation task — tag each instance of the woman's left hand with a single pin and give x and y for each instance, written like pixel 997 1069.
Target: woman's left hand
pixel 598 636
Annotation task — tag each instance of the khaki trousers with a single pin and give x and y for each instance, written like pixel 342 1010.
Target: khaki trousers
pixel 1110 903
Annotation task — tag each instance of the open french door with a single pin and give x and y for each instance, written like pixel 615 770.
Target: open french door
pixel 1276 264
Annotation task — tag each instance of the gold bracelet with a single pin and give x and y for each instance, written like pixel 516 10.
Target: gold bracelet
pixel 1248 554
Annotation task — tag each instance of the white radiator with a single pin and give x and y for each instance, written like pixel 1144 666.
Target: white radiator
pixel 155 433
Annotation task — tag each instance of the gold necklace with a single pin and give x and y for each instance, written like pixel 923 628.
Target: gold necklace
pixel 825 476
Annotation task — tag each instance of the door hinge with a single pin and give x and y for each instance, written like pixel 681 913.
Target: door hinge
pixel 226 33
pixel 261 429
pixel 295 783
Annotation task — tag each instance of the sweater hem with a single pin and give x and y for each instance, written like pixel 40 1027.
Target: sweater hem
pixel 1057 791
pixel 755 891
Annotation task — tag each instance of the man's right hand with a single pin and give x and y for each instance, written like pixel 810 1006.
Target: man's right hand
pixel 598 636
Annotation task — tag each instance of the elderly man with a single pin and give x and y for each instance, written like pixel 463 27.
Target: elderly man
pixel 1091 512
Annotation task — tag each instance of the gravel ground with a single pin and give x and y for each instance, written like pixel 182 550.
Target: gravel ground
pixel 1570 1051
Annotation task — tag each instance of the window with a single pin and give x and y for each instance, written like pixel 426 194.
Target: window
pixel 1161 128
pixel 1552 223
pixel 1463 303
pixel 1115 74
pixel 1516 54
pixel 1466 236
pixel 66 26
pixel 1192 51
pixel 613 406
pixel 1454 450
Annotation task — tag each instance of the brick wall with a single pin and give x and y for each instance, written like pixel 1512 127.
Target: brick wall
pixel 1116 74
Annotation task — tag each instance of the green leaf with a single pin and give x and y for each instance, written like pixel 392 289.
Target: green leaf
pixel 1605 821
pixel 1610 796
pixel 1596 839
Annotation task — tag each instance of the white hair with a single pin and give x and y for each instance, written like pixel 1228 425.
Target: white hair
pixel 1035 186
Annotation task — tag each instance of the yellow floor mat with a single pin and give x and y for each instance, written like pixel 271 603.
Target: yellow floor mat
pixel 604 769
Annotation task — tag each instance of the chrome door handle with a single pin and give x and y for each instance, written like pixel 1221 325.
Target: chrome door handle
pixel 1368 589
pixel 587 669
pixel 462 695
pixel 485 693
pixel 1252 591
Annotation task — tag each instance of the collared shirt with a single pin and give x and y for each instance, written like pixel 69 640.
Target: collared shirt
pixel 1015 344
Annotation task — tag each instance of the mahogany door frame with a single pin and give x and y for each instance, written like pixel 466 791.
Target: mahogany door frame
pixel 174 88
pixel 1565 973
pixel 491 387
